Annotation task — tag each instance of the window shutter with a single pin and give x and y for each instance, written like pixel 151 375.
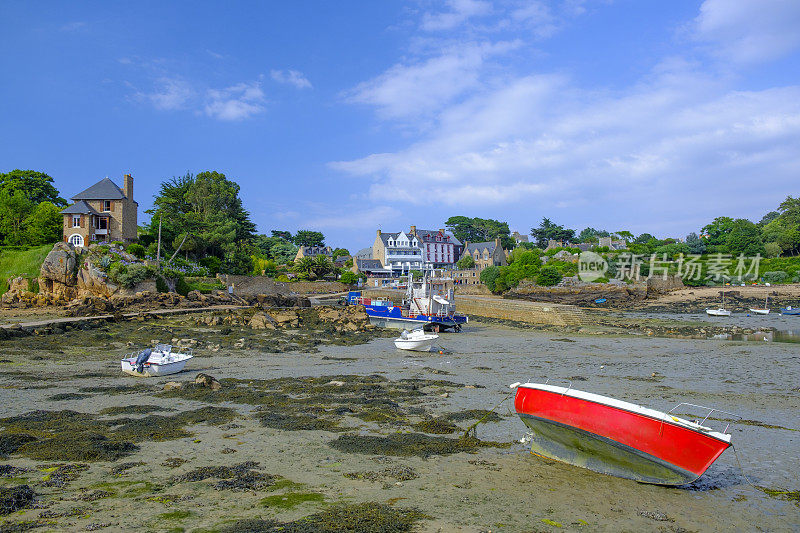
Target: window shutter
pixel 83 221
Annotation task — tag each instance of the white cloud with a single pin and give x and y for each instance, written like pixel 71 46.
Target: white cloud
pixel 373 217
pixel 749 31
pixel 424 86
pixel 460 11
pixel 169 94
pixel 237 102
pixel 74 26
pixel 291 77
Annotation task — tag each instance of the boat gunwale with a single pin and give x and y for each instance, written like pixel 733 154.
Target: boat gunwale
pixel 629 407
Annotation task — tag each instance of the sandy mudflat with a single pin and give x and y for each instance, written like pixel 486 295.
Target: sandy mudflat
pixel 374 390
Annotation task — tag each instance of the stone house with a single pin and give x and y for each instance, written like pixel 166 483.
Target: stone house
pixel 470 276
pixel 314 251
pixel 102 213
pixel 518 237
pixel 485 254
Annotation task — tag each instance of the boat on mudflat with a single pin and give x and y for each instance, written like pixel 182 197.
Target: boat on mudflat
pixel 416 340
pixel 718 312
pixel 428 304
pixel 158 361
pixel 790 310
pixel 614 437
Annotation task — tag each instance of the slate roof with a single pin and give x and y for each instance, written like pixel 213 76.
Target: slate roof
pixel 385 237
pixel 423 232
pixel 364 253
pixel 489 245
pixel 369 264
pixel 79 208
pixel 104 189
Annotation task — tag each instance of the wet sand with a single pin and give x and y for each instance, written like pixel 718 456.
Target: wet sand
pixel 497 488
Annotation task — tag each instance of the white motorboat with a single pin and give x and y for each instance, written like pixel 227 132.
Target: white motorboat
pixel 158 361
pixel 416 340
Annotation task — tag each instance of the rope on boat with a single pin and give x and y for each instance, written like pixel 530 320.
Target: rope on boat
pixel 492 410
pixel 736 453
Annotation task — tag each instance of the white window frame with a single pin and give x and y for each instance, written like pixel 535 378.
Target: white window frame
pixel 76 221
pixel 76 240
pixel 104 206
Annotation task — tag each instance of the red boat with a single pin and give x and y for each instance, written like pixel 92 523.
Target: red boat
pixel 615 437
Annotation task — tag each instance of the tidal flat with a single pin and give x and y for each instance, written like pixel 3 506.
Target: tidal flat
pixel 311 431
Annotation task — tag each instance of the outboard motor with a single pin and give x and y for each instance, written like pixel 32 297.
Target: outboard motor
pixel 144 355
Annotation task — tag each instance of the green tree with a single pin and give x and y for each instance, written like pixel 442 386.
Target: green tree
pixel 15 207
pixel 466 262
pixel 308 238
pixel 339 252
pixel 468 229
pixel 304 268
pixel 769 217
pixel 548 276
pixel 322 266
pixel 44 225
pixel 644 238
pixel 592 235
pixel 489 277
pixel 37 186
pixel 718 230
pixel 276 248
pixel 286 235
pixel 549 230
pixel 205 216
pixel 695 244
pixel 625 235
pixel 744 238
pixel 348 278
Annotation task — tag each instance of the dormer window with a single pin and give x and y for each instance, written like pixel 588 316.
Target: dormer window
pixel 106 206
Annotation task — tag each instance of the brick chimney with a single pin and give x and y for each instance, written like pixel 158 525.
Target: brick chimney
pixel 379 233
pixel 441 230
pixel 127 186
pixel 413 230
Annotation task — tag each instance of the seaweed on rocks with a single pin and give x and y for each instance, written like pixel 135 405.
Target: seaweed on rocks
pixel 133 410
pixel 301 421
pixel 436 426
pixel 399 473
pixel 473 414
pixel 409 444
pixel 73 436
pixel 370 517
pixel 13 499
pixel 60 475
pixel 238 478
pixel 67 396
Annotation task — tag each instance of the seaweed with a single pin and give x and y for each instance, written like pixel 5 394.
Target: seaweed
pixel 473 414
pixel 400 473
pixel 783 494
pixel 173 462
pixel 370 517
pixel 133 410
pixel 238 478
pixel 118 470
pixel 408 444
pixel 73 436
pixel 14 498
pixel 67 396
pixel 437 426
pixel 290 500
pixel 60 475
pixel 300 421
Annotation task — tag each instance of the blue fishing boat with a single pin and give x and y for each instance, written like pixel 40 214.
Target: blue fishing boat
pixel 428 304
pixel 790 310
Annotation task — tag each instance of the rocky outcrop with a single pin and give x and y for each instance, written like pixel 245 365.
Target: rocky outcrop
pixel 348 319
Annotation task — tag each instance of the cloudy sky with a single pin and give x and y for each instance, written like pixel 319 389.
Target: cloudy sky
pixel 345 117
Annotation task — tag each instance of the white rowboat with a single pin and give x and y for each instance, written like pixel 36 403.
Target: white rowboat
pixel 160 361
pixel 417 340
pixel 718 312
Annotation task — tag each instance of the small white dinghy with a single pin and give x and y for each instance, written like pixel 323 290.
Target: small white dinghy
pixel 159 361
pixel 764 310
pixel 718 312
pixel 417 340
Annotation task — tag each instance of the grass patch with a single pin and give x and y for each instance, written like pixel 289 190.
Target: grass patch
pixel 290 500
pixel 25 263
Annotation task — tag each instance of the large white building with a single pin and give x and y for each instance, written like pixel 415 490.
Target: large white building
pixel 416 250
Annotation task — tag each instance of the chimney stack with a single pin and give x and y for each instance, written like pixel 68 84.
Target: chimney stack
pixel 379 233
pixel 413 230
pixel 441 230
pixel 127 187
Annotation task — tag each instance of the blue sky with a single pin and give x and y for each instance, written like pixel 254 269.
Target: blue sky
pixel 345 117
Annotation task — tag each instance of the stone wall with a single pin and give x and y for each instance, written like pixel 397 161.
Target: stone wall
pixel 659 285
pixel 254 285
pixel 521 311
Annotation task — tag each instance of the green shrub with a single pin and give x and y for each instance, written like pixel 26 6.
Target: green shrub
pixel 161 285
pixel 489 277
pixel 136 250
pixel 548 276
pixel 348 278
pixel 778 276
pixel 181 287
pixel 33 285
pixel 132 274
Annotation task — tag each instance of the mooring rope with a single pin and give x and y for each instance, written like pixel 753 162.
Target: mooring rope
pixel 492 410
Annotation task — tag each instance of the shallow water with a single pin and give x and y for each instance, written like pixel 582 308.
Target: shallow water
pixel 787 326
pixel 498 489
